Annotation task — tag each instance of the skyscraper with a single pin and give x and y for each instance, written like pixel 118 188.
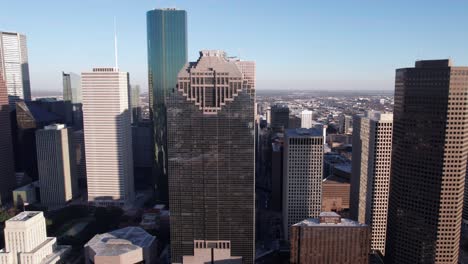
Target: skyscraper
pixel 72 87
pixel 7 169
pixel 56 165
pixel 279 117
pixel 306 119
pixel 135 103
pixel 345 124
pixel 303 174
pixel 429 155
pixel 14 66
pixel 370 180
pixel 211 157
pixel 167 55
pixel 108 138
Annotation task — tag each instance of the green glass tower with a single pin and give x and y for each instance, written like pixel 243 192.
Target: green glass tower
pixel 167 55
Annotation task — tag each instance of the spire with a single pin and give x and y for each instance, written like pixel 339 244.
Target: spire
pixel 115 45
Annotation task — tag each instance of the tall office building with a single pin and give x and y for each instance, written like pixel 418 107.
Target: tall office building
pixel 302 177
pixel 430 146
pixel 108 136
pixel 370 180
pixel 135 103
pixel 7 168
pixel 329 239
pixel 26 241
pixel 72 87
pixel 14 66
pixel 56 165
pixel 167 55
pixel 279 117
pixel 211 157
pixel 306 119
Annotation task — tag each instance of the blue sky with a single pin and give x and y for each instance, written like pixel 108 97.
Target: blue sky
pixel 297 44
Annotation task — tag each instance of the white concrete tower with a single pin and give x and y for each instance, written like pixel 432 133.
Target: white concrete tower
pixel 108 139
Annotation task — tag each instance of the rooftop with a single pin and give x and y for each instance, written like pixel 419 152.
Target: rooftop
pixel 24 216
pixel 120 241
pixel 55 127
pixel 209 61
pixel 304 132
pixel 324 221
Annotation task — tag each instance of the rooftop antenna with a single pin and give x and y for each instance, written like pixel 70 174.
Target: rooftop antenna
pixel 115 45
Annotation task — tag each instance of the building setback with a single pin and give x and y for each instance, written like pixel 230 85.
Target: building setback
pixel 370 180
pixel 211 157
pixel 7 168
pixel 108 138
pixel 429 155
pixel 167 55
pixel 302 176
pixel 329 239
pixel 56 165
pixel 14 66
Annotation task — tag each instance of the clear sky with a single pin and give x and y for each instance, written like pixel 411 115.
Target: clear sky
pixel 347 44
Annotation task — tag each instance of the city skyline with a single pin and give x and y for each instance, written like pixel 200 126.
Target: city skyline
pixel 346 60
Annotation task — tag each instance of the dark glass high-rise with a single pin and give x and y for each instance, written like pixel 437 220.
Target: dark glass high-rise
pixel 211 144
pixel 167 54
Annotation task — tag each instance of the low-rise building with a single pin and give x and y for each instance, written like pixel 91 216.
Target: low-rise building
pixel 123 246
pixel 330 239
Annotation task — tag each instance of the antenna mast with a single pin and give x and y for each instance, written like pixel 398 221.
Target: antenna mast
pixel 115 45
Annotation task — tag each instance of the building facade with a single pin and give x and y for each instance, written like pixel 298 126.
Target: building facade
pixel 167 55
pixel 302 176
pixel 14 66
pixel 429 150
pixel 345 124
pixel 211 252
pixel 211 142
pixel 56 165
pixel 329 239
pixel 7 168
pixel 279 117
pixel 26 241
pixel 72 87
pixel 306 119
pixel 370 180
pixel 108 136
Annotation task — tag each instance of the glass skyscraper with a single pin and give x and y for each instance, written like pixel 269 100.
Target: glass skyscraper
pixel 167 54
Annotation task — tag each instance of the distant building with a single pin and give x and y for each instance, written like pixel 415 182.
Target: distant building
pixel 302 176
pixel 279 117
pixel 215 252
pixel 142 151
pixel 26 241
pixel 135 103
pixel 429 160
pixel 335 194
pixel 306 119
pixel 329 239
pixel 294 122
pixel 7 167
pixel 80 158
pixel 26 194
pixel 345 124
pixel 277 174
pixel 108 136
pixel 72 87
pixel 122 246
pixel 56 165
pixel 72 95
pixel 211 151
pixel 339 140
pixel 14 66
pixel 370 181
